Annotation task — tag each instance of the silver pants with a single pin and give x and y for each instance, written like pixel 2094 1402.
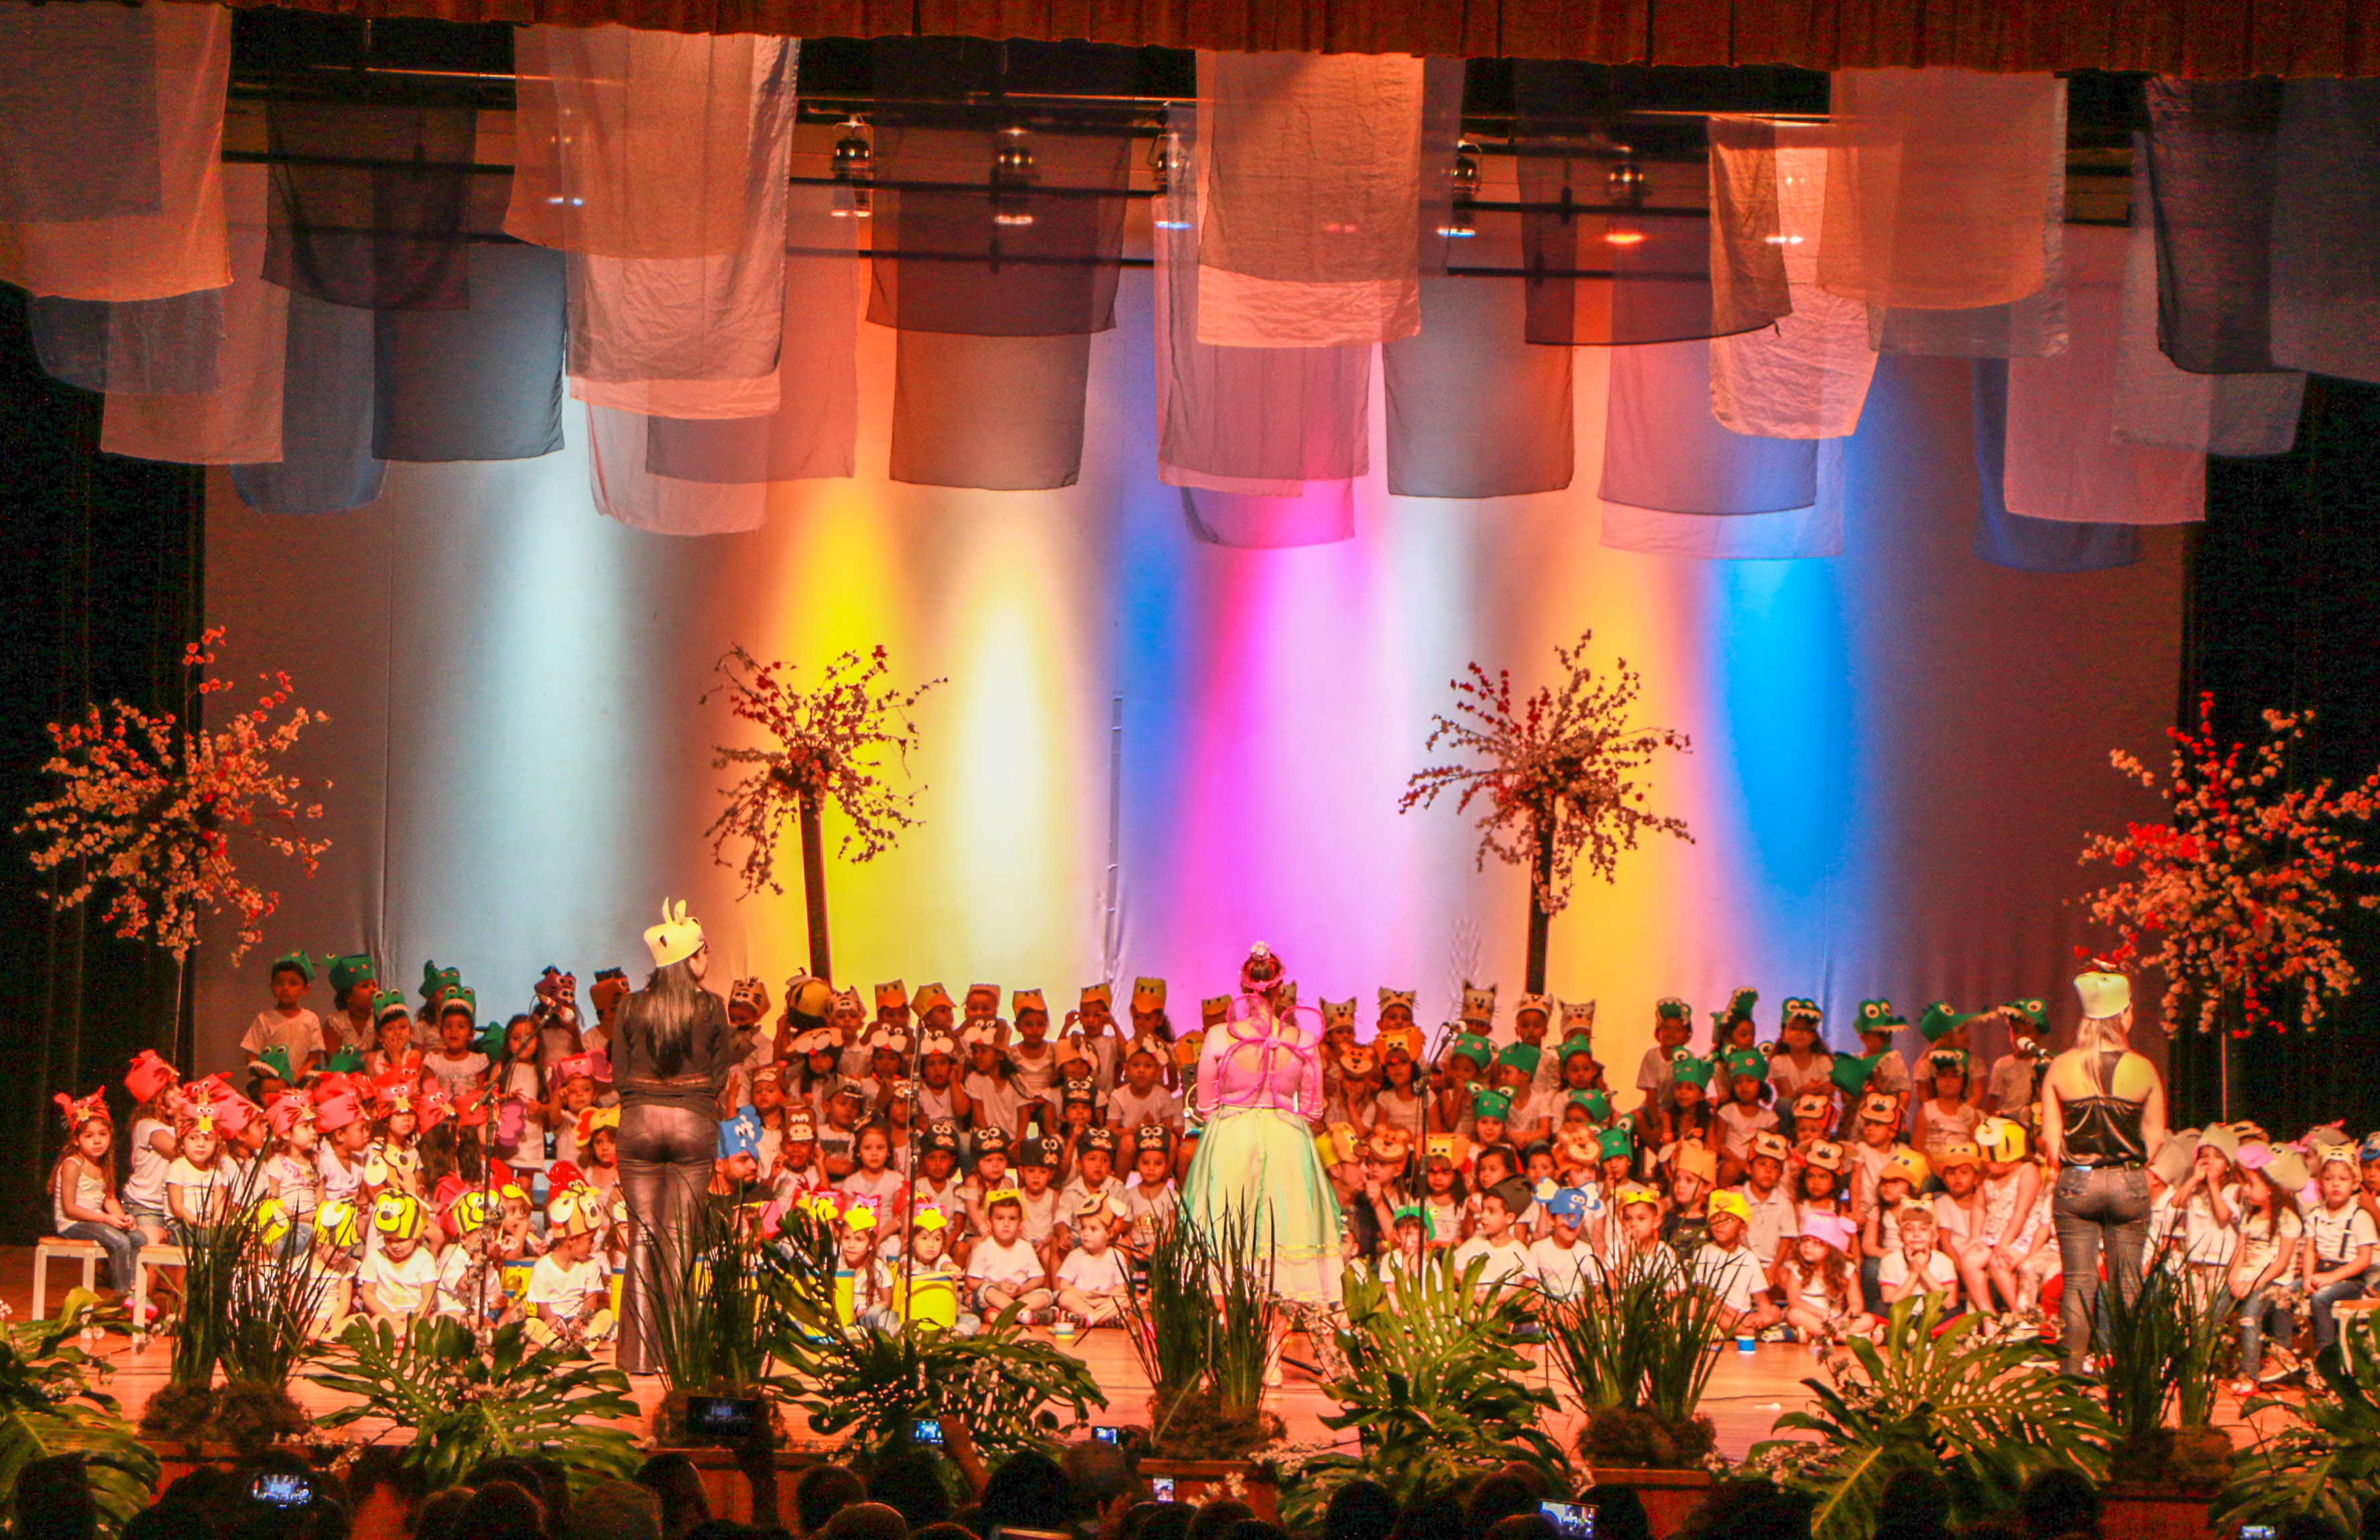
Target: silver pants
pixel 665 1165
pixel 2095 1210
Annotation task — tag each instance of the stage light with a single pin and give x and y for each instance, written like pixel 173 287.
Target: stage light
pixel 1168 171
pixel 1625 184
pixel 1012 170
pixel 1624 237
pixel 855 167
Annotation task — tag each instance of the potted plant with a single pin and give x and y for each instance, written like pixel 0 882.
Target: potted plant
pixel 1983 1413
pixel 249 1306
pixel 1634 1348
pixel 51 1403
pixel 1206 1331
pixel 1435 1391
pixel 2161 1351
pixel 2322 1457
pixel 463 1406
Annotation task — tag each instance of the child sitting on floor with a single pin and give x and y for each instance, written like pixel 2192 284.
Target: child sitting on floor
pixel 1004 1267
pixel 1820 1289
pixel 1091 1281
pixel 399 1279
pixel 1726 1265
pixel 570 1291
pixel 1916 1267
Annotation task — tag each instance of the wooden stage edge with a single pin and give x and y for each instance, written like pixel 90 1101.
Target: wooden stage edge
pixel 1747 1392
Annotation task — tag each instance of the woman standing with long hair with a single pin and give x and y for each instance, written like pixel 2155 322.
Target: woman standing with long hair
pixel 670 1052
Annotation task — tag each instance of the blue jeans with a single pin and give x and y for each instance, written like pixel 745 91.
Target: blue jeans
pixel 2097 1209
pixel 2254 1311
pixel 123 1248
pixel 2325 1325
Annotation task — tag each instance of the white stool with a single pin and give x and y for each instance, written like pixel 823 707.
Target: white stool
pixel 151 1257
pixel 88 1252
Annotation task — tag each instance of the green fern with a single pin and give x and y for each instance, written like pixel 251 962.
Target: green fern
pixel 1985 1414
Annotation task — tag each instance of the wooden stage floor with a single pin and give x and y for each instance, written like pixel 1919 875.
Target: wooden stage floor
pixel 1747 1392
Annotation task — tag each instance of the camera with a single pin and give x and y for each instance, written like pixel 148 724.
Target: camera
pixel 281 1488
pixel 1108 1435
pixel 1571 1520
pixel 724 1419
pixel 927 1430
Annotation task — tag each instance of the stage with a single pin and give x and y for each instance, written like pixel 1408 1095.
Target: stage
pixel 1748 1394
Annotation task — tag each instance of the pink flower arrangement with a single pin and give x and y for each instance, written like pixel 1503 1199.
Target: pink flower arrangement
pixel 155 807
pixel 829 744
pixel 1557 776
pixel 2236 901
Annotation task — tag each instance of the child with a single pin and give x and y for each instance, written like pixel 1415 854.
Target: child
pixel 331 1266
pixel 1636 1250
pixel 288 1026
pixel 1673 1022
pixel 2012 1227
pixel 1035 1059
pixel 470 1285
pixel 198 1184
pixel 2014 1088
pixel 569 1292
pixel 1693 1178
pixel 991 1175
pixel 1813 1118
pixel 393 1054
pixel 156 1094
pixel 1143 1099
pixel 990 1083
pixel 396 1157
pixel 456 1064
pixel 1443 1196
pixel 1493 1237
pixel 1946 1117
pixel 1004 1267
pixel 1147 1201
pixel 2269 1235
pixel 1959 1207
pixel 863 1287
pixel 1037 1166
pixel 345 1141
pixel 1094 1178
pixel 1878 1122
pixel 1726 1265
pixel 1467 1060
pixel 1409 1229
pixel 1772 1222
pixel 1527 1120
pixel 2340 1238
pixel 1151 1028
pixel 399 1277
pixel 1561 1263
pixel 1880 1217
pixel 1915 1267
pixel 1802 1064
pixel 1095 1014
pixel 1402 1101
pixel 1091 1281
pixel 574 1088
pixel 940 1099
pixel 934 1280
pixel 1820 1289
pixel 1687 1114
pixel 291 1177
pixel 1487 1113
pixel 517 1081
pixel 82 1196
pixel 1744 1114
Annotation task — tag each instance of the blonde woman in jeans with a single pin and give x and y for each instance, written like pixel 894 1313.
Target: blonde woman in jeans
pixel 2102 1121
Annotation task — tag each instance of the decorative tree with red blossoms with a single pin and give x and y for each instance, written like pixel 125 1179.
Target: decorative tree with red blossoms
pixel 1557 776
pixel 2236 901
pixel 830 744
pixel 157 808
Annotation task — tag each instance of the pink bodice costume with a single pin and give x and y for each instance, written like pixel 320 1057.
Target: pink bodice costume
pixel 1262 1059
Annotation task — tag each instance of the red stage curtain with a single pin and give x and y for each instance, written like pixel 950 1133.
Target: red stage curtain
pixel 2276 37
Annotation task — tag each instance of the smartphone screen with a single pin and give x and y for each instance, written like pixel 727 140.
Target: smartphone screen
pixel 1160 1488
pixel 1571 1520
pixel 928 1430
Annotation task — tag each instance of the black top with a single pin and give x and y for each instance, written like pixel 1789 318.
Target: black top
pixel 701 1076
pixel 2103 1130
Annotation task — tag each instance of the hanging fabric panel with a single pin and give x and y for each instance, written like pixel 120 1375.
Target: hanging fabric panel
pixel 1936 192
pixel 2064 460
pixel 1791 534
pixel 145 347
pixel 79 130
pixel 646 144
pixel 326 462
pixel 814 432
pixel 1634 233
pixel 1310 199
pixel 2326 314
pixel 1261 420
pixel 1005 414
pixel 616 452
pixel 2033 326
pixel 1027 248
pixel 1806 377
pixel 1474 409
pixel 2159 403
pixel 2210 158
pixel 238 418
pixel 384 237
pixel 160 231
pixel 1323 514
pixel 2008 539
pixel 696 336
pixel 478 385
pixel 1663 449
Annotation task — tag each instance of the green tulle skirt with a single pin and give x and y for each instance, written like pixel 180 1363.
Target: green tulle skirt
pixel 1259 1160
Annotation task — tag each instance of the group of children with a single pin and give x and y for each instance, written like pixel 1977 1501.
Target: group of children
pixel 969 1161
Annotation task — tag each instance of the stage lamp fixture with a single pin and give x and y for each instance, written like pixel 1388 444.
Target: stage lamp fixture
pixel 1625 184
pixel 1460 224
pixel 854 168
pixel 1013 170
pixel 1168 171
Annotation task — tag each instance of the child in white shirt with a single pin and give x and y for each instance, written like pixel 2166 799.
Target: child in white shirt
pixel 569 1291
pixel 1092 1280
pixel 1005 1269
pixel 399 1277
pixel 1507 1258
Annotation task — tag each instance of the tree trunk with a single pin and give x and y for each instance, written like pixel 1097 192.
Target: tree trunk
pixel 814 887
pixel 1539 920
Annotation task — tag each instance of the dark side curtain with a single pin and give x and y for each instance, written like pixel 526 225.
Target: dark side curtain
pixel 100 590
pixel 2283 609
